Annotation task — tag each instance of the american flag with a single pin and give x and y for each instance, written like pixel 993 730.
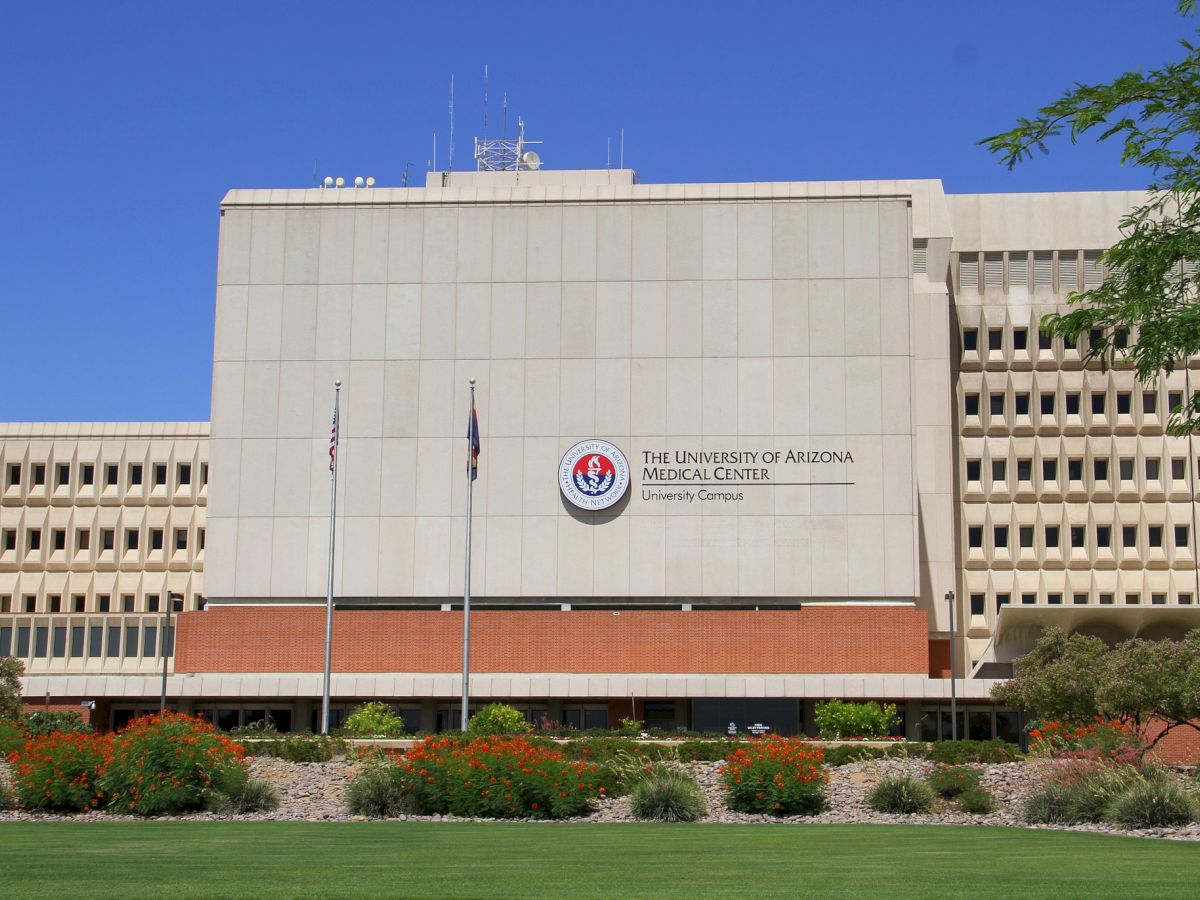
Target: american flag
pixel 333 439
pixel 473 439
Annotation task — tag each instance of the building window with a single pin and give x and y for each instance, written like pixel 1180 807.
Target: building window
pixel 1106 599
pixel 58 538
pixel 107 538
pixel 1024 470
pixel 1054 599
pixel 127 603
pixel 1028 599
pixel 996 404
pixel 973 470
pixel 79 603
pixel 1098 404
pixel 111 474
pixel 1178 468
pixel 1129 537
pixel 181 538
pixel 199 539
pixel 1181 535
pixel 184 473
pixel 1133 599
pixel 1078 536
pixel 1002 600
pixel 156 538
pixel 203 473
pixel 1126 469
pixel 977 601
pixel 87 474
pixel 5 607
pixel 970 340
pixel 1025 534
pixel 975 536
pixel 64 474
pixel 1000 536
pixel 1044 340
pixel 1124 400
pixel 39 474
pixel 1100 469
pixel 160 474
pixel 10 539
pixel 1174 400
pixel 1080 599
pixel 1158 599
pixel 1072 404
pixel 14 475
pixel 1150 402
pixel 1152 468
pixel 113 647
pixel 1074 470
pixel 103 603
pixel 1049 469
pixel 83 539
pixel 971 405
pixel 1020 338
pixel 1185 599
pixel 1048 403
pixel 1154 535
pixel 35 539
pixel 1103 535
pixel 152 603
pixel 999 469
pixel 131 538
pixel 1051 536
pixel 30 603
pixel 995 339
pixel 1022 404
pixel 55 603
pixel 135 474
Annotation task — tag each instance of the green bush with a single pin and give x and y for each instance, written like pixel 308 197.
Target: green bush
pixel 375 719
pixel 838 719
pixel 379 792
pixel 498 718
pixel 12 737
pixel 604 749
pixel 852 753
pixel 668 795
pixel 777 776
pixel 168 764
pixel 950 781
pixel 1152 801
pixel 11 705
pixel 238 794
pixel 61 772
pixel 976 800
pixel 1078 791
pixel 44 722
pixel 298 748
pixel 954 753
pixel 705 751
pixel 6 797
pixel 901 794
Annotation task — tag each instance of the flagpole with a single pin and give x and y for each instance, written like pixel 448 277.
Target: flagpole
pixel 337 393
pixel 466 653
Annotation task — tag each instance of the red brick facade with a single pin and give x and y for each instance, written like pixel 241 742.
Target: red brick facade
pixel 817 639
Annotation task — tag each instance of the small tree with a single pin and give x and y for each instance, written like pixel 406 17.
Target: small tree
pixel 1058 678
pixel 498 718
pixel 11 671
pixel 374 719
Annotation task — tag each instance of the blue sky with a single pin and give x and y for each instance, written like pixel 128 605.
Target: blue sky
pixel 123 124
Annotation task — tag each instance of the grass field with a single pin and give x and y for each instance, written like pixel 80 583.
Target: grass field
pixel 208 859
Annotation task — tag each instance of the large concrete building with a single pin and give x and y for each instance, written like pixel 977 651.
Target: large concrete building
pixel 826 405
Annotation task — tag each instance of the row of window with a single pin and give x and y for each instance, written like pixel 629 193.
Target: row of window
pixel 84 641
pixel 1156 535
pixel 1072 405
pixel 64 473
pixel 1018 340
pixel 1066 270
pixel 100 603
pixel 1057 598
pixel 132 539
pixel 1101 469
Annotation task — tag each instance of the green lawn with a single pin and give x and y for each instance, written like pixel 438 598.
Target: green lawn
pixel 186 859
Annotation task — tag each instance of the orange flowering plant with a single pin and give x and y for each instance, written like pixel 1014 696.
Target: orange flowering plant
pixel 777 776
pixel 497 777
pixel 60 772
pixel 168 764
pixel 1101 739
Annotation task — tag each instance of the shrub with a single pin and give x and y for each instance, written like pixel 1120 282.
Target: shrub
pixel 956 753
pixel 6 797
pixel 631 727
pixel 668 795
pixel 238 794
pixel 838 719
pixel 61 772
pixel 44 722
pixel 1099 739
pixel 775 775
pixel 901 794
pixel 12 736
pixel 168 764
pixel 1152 801
pixel 706 751
pixel 379 791
pixel 498 718
pixel 11 670
pixel 498 777
pixel 605 749
pixel 374 719
pixel 976 800
pixel 297 748
pixel 950 781
pixel 1078 791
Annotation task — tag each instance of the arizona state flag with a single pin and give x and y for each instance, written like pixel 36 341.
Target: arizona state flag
pixel 473 438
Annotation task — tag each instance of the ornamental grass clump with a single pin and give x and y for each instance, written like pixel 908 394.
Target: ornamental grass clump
pixel 902 795
pixel 1153 800
pixel 777 776
pixel 498 777
pixel 1077 790
pixel 238 794
pixel 160 765
pixel 61 772
pixel 977 801
pixel 950 781
pixel 380 791
pixel 667 795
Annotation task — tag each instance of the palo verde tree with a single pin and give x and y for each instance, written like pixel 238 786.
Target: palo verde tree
pixel 11 671
pixel 1153 286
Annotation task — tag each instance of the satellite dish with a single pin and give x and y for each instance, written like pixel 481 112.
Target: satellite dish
pixel 531 160
pixel 340 182
pixel 328 181
pixel 358 181
pixel 370 181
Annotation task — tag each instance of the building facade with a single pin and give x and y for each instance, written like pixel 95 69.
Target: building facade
pixel 823 406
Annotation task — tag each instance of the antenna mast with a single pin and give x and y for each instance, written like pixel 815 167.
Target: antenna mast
pixel 450 164
pixel 485 101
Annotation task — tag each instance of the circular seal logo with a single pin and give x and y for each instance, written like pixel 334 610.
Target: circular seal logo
pixel 593 474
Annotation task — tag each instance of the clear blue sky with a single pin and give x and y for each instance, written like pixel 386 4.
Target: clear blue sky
pixel 123 124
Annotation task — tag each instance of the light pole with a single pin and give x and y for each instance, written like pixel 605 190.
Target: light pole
pixel 166 636
pixel 953 691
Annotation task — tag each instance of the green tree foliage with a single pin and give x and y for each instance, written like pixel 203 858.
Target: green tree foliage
pixel 847 719
pixel 373 720
pixel 11 671
pixel 498 718
pixel 1058 678
pixel 1149 292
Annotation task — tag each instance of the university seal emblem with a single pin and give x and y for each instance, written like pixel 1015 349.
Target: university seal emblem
pixel 593 474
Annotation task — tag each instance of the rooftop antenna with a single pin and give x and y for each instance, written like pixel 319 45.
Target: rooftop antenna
pixel 450 164
pixel 433 162
pixel 622 148
pixel 504 128
pixel 608 152
pixel 485 101
pixel 404 178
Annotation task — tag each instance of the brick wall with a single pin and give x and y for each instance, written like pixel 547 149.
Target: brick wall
pixel 939 658
pixel 817 639
pixel 1180 747
pixel 32 705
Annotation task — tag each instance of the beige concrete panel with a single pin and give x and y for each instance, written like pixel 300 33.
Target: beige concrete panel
pixel 233 257
pixel 895 381
pixel 293 478
pixel 684 242
pixel 252 575
pixel 229 335
pixel 613 319
pixel 789 240
pixel 401 382
pixel 895 242
pixel 540 476
pixel 894 316
pixel 863 319
pixel 229 385
pixel 318 555
pixel 793 556
pixel 397 537
pixel 220 551
pixel 649 243
pixel 648 335
pixel 648 397
pixel 298 337
pixel 510 229
pixel 827 318
pixel 260 410
pixel 756 554
pixel 610 569
pixel 302 242
pixel 575 556
pixel 439 246
pixel 438 303
pixel 543 384
pixel 578 243
pixel 830 563
pixel 371 246
pixel 871 455
pixel 579 319
pixel 577 403
pixel 431 559
pixel 719 334
pixel 720 240
pixel 826 246
pixel 755 404
pixel 368 309
pixel 336 262
pixel 398 481
pixel 435 469
pixel 790 397
pixel 647 555
pixel 435 409
pixel 789 305
pixel 545 244
pixel 720 393
pixel 474 246
pixel 754 318
pixel 264 309
pixel 361 475
pixel 683 556
pixel 406 228
pixel 754 240
pixel 544 321
pixel 224 466
pixel 612 396
pixel 900 551
pixel 402 332
pixel 473 325
pixel 508 321
pixel 684 318
pixel 865 536
pixel 684 398
pixel 333 321
pixel 719 555
pixel 864 394
pixel 860 232
pixel 506 465
pixel 539 551
pixel 289 542
pixel 931 393
pixel 614 248
pixel 506 398
pixel 827 395
pixel 502 576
